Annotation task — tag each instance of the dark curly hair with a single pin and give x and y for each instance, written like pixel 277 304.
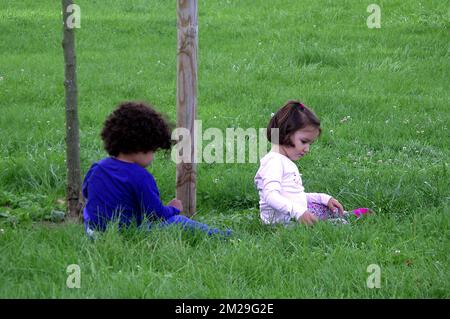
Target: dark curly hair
pixel 135 127
pixel 291 117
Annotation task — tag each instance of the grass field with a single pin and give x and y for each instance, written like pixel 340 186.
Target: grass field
pixel 383 99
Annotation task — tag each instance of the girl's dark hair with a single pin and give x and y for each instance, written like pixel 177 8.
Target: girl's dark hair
pixel 291 117
pixel 135 127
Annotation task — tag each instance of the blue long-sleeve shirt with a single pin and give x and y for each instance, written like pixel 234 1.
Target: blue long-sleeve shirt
pixel 120 191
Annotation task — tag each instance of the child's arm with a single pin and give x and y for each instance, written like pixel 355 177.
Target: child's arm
pixel 272 196
pixel 176 203
pixel 308 218
pixel 151 202
pixel 319 198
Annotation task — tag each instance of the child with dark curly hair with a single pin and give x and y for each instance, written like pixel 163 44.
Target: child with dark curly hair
pixel 119 188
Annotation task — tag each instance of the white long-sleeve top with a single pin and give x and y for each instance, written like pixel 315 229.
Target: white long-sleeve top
pixel 281 193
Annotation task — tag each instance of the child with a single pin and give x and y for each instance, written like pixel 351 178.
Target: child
pixel 291 131
pixel 119 188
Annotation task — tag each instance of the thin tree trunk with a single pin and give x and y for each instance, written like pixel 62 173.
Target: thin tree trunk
pixel 187 97
pixel 72 137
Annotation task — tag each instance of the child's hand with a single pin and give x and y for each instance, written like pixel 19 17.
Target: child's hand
pixel 176 203
pixel 333 204
pixel 308 218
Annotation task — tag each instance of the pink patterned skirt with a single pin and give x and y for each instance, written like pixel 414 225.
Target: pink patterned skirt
pixel 324 213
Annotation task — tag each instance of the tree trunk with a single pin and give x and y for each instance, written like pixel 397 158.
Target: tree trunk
pixel 72 137
pixel 187 97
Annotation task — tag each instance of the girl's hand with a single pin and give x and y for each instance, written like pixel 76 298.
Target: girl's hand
pixel 333 204
pixel 176 203
pixel 308 218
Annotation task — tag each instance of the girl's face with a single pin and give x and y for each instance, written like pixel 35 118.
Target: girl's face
pixel 302 140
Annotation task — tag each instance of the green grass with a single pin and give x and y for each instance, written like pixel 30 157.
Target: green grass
pixel 391 154
pixel 299 262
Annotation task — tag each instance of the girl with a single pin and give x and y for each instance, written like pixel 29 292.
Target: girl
pixel 119 188
pixel 291 131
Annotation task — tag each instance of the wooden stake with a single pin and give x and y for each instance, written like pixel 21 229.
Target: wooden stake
pixel 72 137
pixel 187 97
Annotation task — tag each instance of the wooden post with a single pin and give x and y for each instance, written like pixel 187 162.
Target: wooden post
pixel 187 97
pixel 72 138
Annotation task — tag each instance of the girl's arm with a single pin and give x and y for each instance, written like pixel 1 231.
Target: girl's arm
pixel 84 187
pixel 273 197
pixel 326 200
pixel 151 202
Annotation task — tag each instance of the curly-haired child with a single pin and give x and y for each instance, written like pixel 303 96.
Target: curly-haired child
pixel 291 131
pixel 119 188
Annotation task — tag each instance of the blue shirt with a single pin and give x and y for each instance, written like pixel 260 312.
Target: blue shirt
pixel 120 191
